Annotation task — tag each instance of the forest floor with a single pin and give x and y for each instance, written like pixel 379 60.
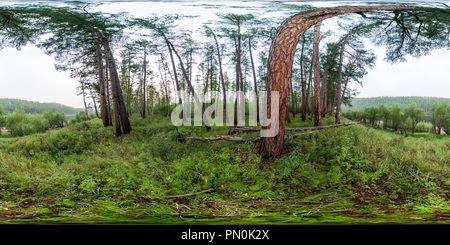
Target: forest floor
pixel 84 174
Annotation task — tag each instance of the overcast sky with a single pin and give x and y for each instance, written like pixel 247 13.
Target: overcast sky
pixel 30 74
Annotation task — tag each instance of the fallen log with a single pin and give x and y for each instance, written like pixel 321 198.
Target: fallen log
pixel 222 137
pixel 242 129
pixel 257 139
pixel 322 127
pixel 237 139
pixel 238 129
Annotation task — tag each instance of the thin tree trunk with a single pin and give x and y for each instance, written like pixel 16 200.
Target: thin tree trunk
pixel 237 45
pixel 144 82
pixel 317 97
pixel 108 98
pixel 101 82
pixel 222 80
pixel 174 70
pixel 165 83
pixel 339 82
pixel 206 88
pixel 84 100
pixel 207 125
pixel 254 79
pixel 95 103
pixel 303 81
pixel 324 88
pixel 308 89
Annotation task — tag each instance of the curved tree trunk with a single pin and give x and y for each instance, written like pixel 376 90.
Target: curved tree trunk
pixel 104 110
pixel 281 56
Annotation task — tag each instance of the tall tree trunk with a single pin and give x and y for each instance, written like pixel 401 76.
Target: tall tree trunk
pixel 317 97
pixel 339 98
pixel 177 83
pixel 144 82
pixel 128 87
pixel 303 81
pixel 174 69
pixel 197 101
pixel 206 88
pixel 280 62
pixel 324 88
pixel 165 83
pixel 120 112
pixel 222 80
pixel 238 74
pixel 254 79
pixel 108 99
pixel 308 89
pixel 101 82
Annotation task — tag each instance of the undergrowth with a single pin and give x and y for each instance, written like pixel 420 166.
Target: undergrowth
pixel 86 163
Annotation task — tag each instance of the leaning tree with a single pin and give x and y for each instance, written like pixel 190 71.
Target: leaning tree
pixel 66 28
pixel 281 56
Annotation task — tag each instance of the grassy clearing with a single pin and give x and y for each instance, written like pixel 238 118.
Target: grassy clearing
pixel 85 174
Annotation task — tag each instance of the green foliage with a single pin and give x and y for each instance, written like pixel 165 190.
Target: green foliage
pixel 85 163
pixel 2 119
pixel 406 118
pixel 10 105
pixel 81 117
pixel 56 119
pixel 424 127
pixel 415 115
pixel 425 103
pixel 19 123
pixel 440 117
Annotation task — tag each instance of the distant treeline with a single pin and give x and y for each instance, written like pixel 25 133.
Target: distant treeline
pixel 426 103
pixel 405 118
pixel 10 105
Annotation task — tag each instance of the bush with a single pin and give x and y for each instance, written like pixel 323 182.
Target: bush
pixel 424 127
pixel 19 123
pixel 55 119
pixel 81 117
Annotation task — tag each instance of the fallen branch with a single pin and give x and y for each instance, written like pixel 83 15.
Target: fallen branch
pixel 191 194
pixel 250 129
pixel 322 127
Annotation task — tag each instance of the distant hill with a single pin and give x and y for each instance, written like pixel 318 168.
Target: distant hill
pixel 9 105
pixel 422 102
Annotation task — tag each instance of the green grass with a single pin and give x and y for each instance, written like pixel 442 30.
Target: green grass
pixel 354 174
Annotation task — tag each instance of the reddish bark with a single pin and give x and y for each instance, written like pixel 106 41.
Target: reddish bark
pixel 281 56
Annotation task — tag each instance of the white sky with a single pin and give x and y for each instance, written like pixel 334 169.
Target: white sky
pixel 30 74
